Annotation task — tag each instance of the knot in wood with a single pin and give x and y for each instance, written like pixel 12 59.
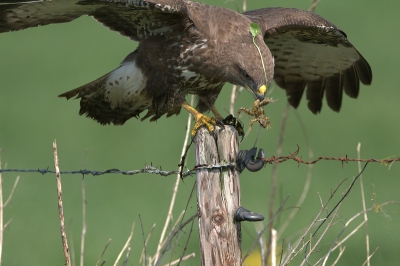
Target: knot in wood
pixel 218 218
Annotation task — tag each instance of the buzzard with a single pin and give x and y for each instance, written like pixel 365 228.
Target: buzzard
pixel 191 48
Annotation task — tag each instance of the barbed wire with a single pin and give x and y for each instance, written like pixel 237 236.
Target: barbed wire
pixel 345 159
pixel 150 169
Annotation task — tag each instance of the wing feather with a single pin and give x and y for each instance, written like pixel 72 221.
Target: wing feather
pixel 136 19
pixel 334 91
pixel 141 19
pixel 19 16
pixel 310 50
pixel 351 82
pixel 315 94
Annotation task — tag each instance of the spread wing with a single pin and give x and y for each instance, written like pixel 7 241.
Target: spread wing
pixel 122 93
pixel 18 15
pixel 135 19
pixel 311 52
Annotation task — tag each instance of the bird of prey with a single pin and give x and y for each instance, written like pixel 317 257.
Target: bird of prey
pixel 191 48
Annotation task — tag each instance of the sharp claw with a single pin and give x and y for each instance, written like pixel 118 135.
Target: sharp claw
pixel 203 120
pixel 220 123
pixel 210 123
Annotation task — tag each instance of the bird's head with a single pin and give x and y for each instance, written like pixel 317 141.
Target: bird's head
pixel 250 66
pixel 231 53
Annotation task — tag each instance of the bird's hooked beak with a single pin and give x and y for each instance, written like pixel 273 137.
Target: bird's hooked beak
pixel 258 93
pixel 261 92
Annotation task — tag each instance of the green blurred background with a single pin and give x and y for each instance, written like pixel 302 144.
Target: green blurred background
pixel 38 64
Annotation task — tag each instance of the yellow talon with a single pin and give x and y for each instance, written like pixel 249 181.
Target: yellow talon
pixel 201 120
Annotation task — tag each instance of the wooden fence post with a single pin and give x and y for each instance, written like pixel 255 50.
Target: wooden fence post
pixel 218 197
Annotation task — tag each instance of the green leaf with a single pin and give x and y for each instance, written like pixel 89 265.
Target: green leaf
pixel 255 29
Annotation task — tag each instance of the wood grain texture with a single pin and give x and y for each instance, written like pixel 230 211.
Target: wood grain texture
pixel 218 197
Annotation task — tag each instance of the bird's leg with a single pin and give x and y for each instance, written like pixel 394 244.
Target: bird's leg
pixel 217 115
pixel 201 120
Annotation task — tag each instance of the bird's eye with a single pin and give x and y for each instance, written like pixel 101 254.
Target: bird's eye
pixel 246 76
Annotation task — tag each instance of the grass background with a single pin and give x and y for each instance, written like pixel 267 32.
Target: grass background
pixel 38 64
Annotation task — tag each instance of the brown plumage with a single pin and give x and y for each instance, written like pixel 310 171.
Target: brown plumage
pixel 192 48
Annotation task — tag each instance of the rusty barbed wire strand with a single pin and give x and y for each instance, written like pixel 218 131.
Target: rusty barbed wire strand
pixel 345 159
pixel 150 169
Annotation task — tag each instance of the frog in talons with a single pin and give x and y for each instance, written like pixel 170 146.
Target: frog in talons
pixel 258 112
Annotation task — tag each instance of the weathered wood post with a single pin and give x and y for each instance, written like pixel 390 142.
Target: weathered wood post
pixel 218 197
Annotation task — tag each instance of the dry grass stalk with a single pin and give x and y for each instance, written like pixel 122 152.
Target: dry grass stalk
pixel 1 215
pixel 157 257
pixel 338 244
pixel 187 243
pixel 367 260
pixel 233 99
pixel 2 206
pixel 128 253
pixel 341 251
pixel 60 207
pixel 261 232
pixel 342 241
pixel 307 183
pixel 364 206
pixel 126 246
pixel 319 240
pixel 84 226
pixel 273 246
pixel 143 254
pixel 104 250
pixel 175 262
pixel 296 249
pixel 12 190
pixel 314 5
pixel 274 178
pixel 175 191
pixel 168 242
